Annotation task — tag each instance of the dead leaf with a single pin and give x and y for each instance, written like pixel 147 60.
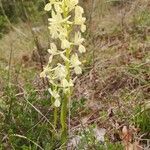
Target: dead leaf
pixel 126 134
pixel 133 146
pixel 127 138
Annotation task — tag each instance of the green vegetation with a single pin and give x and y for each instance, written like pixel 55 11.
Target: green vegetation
pixel 3 25
pixel 142 119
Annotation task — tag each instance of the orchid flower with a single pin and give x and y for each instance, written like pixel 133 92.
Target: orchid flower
pixel 61 24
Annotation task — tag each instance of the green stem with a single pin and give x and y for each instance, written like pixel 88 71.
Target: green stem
pixel 64 108
pixel 64 120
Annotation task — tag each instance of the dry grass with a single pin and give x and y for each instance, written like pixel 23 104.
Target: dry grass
pixel 21 42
